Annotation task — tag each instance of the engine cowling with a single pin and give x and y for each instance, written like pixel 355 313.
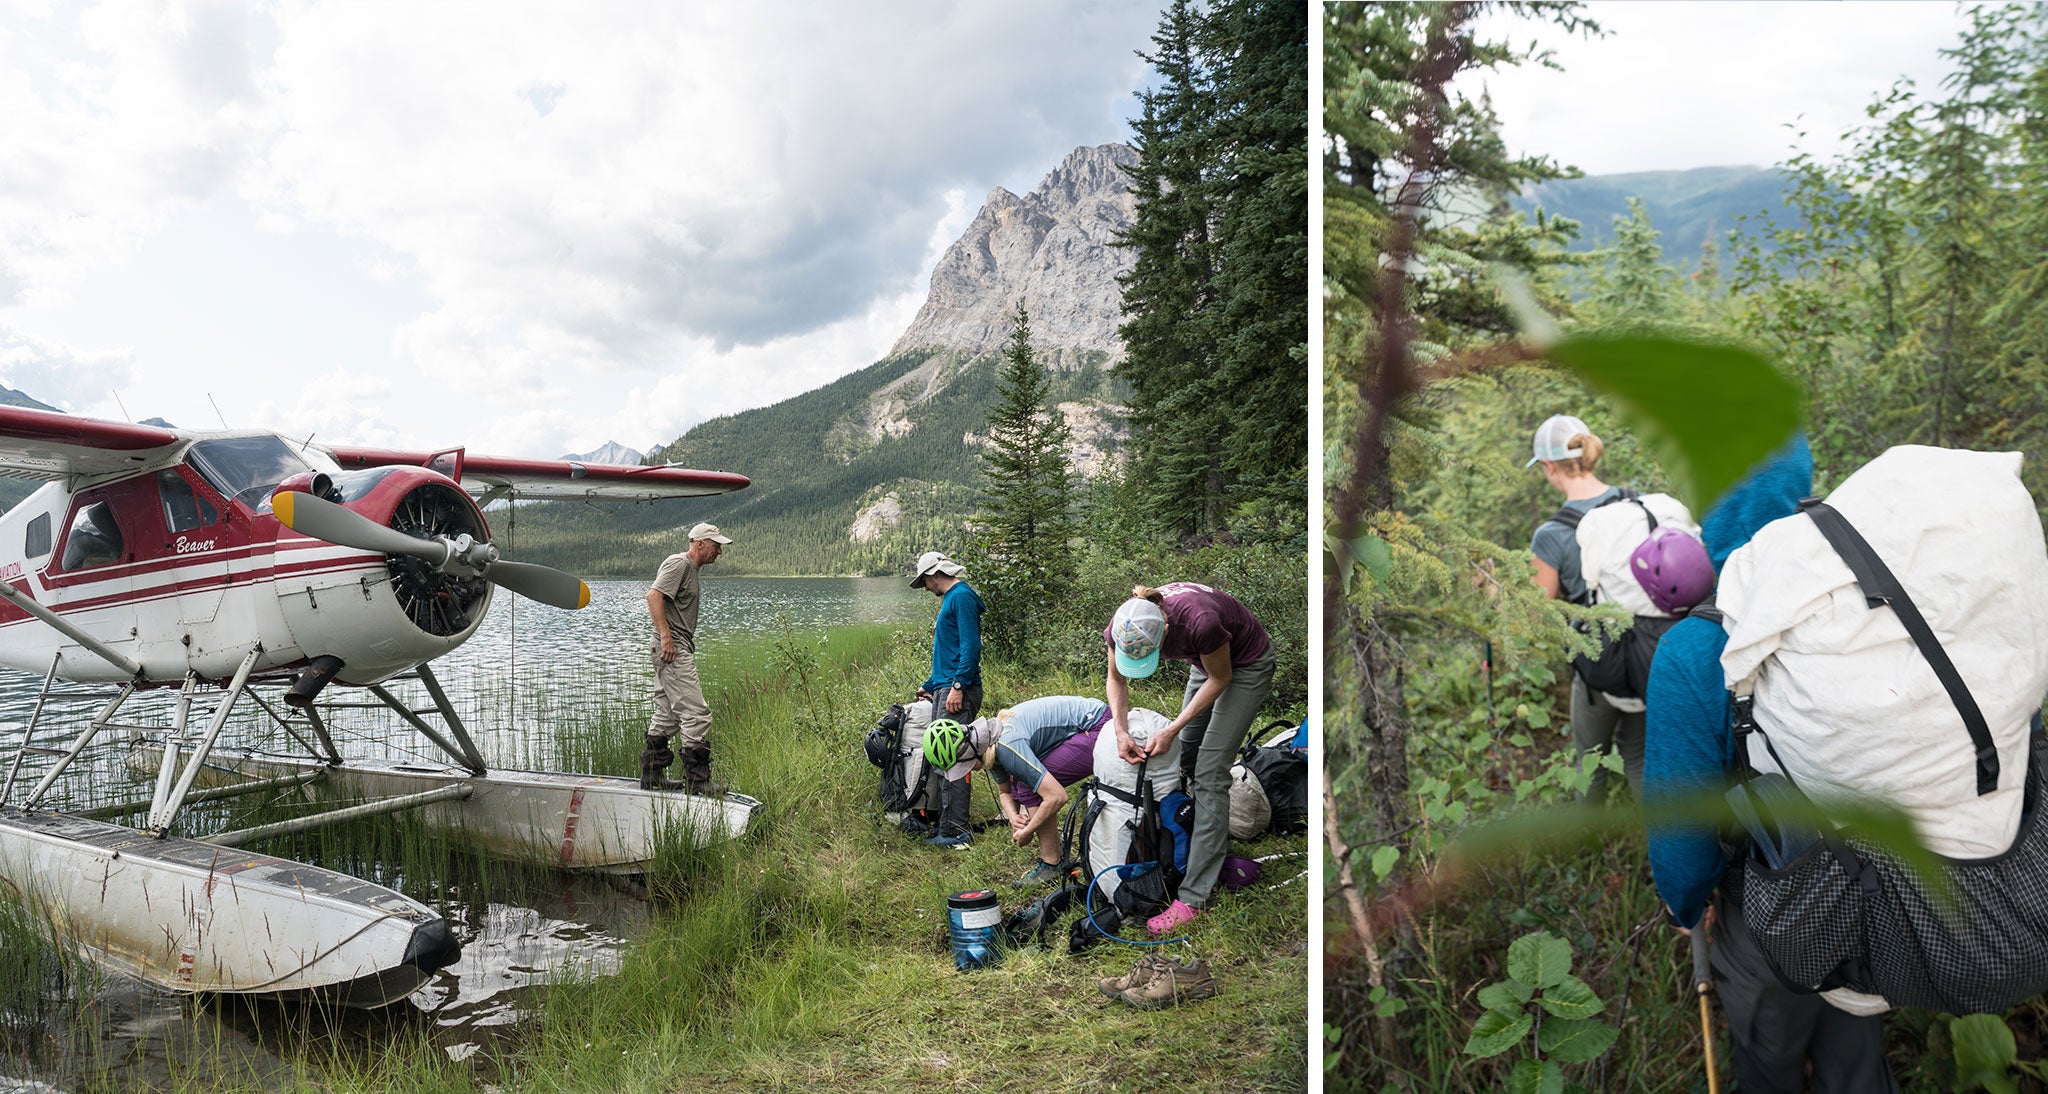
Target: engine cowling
pixel 385 613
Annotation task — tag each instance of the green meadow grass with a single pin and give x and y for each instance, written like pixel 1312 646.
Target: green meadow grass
pixel 811 953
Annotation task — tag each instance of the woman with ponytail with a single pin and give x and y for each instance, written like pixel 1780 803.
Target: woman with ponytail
pixel 1568 452
pixel 1230 674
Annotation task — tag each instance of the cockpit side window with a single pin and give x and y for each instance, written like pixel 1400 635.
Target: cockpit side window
pixel 184 507
pixel 38 543
pixel 94 539
pixel 245 469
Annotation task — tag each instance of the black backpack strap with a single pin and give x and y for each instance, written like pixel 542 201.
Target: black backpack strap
pixel 1570 517
pixel 1880 586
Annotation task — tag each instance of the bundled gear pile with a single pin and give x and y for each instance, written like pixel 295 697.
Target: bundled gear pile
pixel 1134 833
pixel 895 746
pixel 1269 786
pixel 1643 552
pixel 1890 645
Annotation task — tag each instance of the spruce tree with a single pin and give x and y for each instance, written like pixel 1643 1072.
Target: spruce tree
pixel 1176 423
pixel 1027 513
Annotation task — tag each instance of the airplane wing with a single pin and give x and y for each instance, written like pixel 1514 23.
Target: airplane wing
pixel 553 478
pixel 42 444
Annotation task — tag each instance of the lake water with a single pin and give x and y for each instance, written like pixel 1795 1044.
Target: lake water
pixel 526 662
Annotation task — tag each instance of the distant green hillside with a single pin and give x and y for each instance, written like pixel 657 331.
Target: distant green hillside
pixel 815 465
pixel 1688 207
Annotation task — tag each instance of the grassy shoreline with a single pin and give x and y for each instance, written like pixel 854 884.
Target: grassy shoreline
pixel 810 953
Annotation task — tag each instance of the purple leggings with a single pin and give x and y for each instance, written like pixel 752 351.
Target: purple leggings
pixel 1069 762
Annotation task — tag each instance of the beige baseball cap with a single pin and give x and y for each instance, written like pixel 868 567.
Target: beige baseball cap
pixel 934 562
pixel 710 532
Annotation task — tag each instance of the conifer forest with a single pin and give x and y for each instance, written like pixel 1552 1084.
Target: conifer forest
pixel 1486 926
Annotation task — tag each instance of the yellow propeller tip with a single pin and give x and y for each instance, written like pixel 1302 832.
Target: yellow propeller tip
pixel 281 504
pixel 582 595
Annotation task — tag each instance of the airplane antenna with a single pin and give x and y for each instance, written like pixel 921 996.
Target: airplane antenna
pixel 308 442
pixel 216 411
pixel 123 406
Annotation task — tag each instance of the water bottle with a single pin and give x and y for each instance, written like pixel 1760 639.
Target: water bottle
pixel 973 919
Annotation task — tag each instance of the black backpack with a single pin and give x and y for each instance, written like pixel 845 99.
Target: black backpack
pixel 1622 666
pixel 883 744
pixel 1282 772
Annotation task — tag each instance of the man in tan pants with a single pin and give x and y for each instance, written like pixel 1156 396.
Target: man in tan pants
pixel 679 707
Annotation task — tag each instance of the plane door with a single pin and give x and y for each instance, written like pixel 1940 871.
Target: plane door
pixel 91 581
pixel 191 546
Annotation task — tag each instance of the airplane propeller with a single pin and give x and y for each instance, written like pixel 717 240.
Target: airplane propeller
pixel 460 555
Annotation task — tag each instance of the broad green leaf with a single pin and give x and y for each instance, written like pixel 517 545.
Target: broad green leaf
pixel 1539 960
pixel 1575 1041
pixel 1536 1077
pixel 1455 812
pixel 1571 998
pixel 1709 412
pixel 1496 1033
pixel 1520 740
pixel 1383 861
pixel 1538 719
pixel 1390 1008
pixel 1985 1051
pixel 1498 996
pixel 1360 549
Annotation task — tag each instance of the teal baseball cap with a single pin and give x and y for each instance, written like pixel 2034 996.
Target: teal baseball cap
pixel 1136 633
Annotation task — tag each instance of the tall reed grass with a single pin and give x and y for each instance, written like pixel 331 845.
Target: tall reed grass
pixel 811 952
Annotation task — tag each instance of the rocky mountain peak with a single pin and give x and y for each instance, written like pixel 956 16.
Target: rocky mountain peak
pixel 1049 250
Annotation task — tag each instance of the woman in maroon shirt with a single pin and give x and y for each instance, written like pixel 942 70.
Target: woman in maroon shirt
pixel 1231 673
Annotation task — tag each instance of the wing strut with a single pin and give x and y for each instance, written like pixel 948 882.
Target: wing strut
pixel 28 731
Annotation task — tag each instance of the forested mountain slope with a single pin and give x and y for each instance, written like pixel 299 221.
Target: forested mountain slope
pixel 1689 208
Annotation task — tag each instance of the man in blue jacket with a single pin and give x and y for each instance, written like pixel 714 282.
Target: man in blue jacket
pixel 954 686
pixel 1688 752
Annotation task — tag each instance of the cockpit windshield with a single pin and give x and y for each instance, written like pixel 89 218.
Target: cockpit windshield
pixel 246 469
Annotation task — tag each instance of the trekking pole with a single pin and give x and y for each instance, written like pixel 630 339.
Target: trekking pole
pixel 1703 982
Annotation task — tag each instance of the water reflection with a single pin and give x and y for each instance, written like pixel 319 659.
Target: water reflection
pixel 526 665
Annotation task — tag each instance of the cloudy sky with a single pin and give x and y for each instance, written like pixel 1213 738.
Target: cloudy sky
pixel 529 229
pixel 1698 84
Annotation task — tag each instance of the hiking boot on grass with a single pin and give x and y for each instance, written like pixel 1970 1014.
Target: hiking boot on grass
pixel 960 842
pixel 1147 967
pixel 914 825
pixel 1043 873
pixel 1172 985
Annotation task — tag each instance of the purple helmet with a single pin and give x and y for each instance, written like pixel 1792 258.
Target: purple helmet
pixel 1672 566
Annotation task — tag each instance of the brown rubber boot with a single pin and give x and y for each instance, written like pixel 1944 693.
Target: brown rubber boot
pixel 697 772
pixel 654 760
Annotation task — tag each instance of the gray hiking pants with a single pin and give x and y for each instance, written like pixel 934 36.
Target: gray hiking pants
pixel 1778 1031
pixel 1597 726
pixel 1208 746
pixel 680 712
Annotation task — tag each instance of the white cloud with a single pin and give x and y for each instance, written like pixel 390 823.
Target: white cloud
pixel 63 376
pixel 1697 84
pixel 595 216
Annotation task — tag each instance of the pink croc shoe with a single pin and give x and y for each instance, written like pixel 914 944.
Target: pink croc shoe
pixel 1175 915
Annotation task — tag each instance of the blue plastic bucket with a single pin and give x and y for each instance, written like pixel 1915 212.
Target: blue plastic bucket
pixel 974 919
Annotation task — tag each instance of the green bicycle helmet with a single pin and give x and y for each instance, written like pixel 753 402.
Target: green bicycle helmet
pixel 944 741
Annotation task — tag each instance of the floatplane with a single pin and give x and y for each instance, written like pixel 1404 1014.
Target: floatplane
pixel 220 563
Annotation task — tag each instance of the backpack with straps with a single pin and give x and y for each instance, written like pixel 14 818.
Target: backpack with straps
pixel 1614 542
pixel 1133 834
pixel 1921 691
pixel 1269 788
